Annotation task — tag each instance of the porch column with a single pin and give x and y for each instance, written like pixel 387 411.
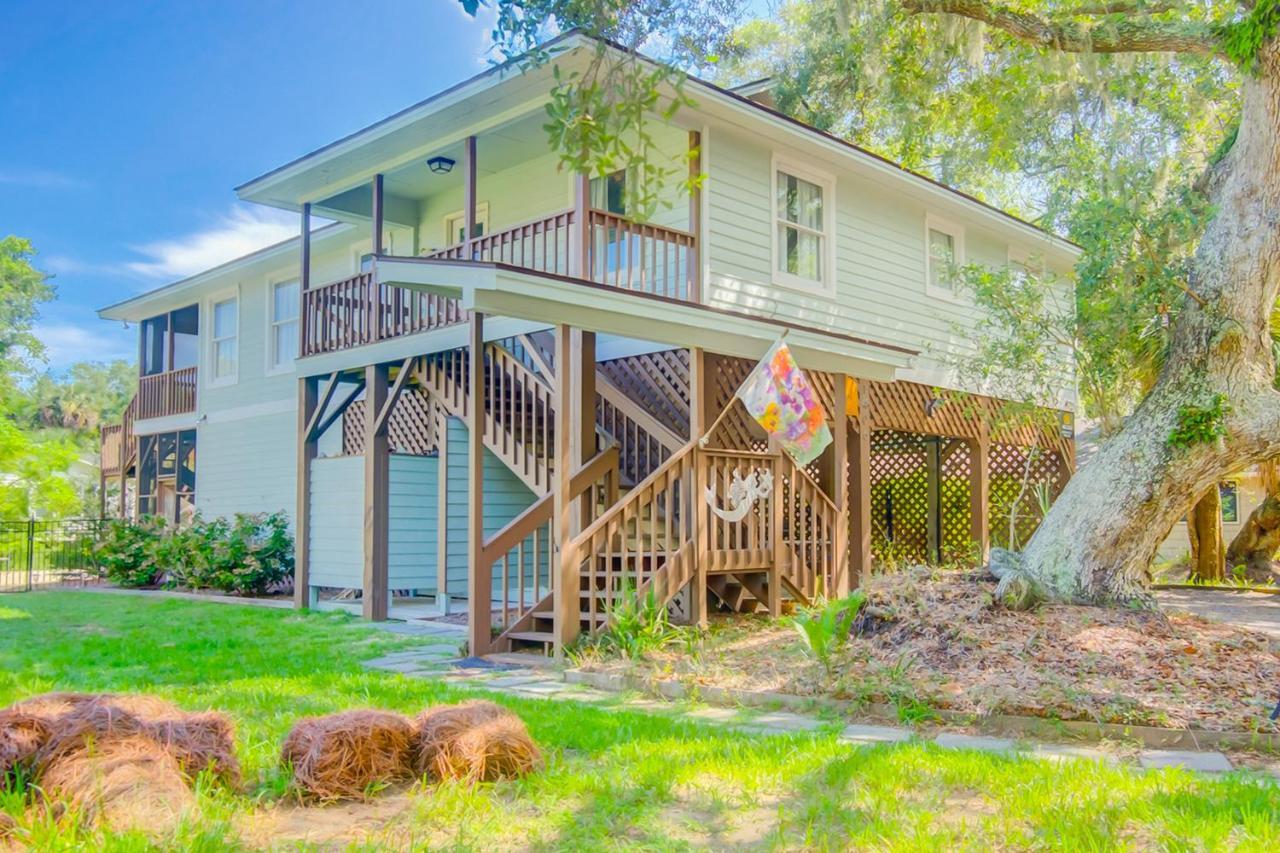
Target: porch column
pixel 566 602
pixel 304 274
pixel 979 490
pixel 468 196
pixel 840 583
pixel 700 403
pixel 376 216
pixel 479 586
pixel 306 453
pixel 583 344
pixel 580 254
pixel 442 508
pixel 377 464
pixel 860 489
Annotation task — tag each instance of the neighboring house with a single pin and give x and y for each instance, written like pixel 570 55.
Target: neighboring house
pixel 1241 494
pixel 333 375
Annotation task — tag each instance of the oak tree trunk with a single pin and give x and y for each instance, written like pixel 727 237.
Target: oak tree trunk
pixel 1256 544
pixel 1204 529
pixel 1098 541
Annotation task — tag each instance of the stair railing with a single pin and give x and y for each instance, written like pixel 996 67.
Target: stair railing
pixel 645 540
pixel 810 530
pixel 519 558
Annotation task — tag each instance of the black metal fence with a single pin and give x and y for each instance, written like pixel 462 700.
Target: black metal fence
pixel 37 554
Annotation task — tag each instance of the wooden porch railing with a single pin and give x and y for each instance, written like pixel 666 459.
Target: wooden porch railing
pixel 810 522
pixel 638 256
pixel 357 311
pixel 115 444
pixel 162 394
pixel 520 558
pixel 619 253
pixel 745 545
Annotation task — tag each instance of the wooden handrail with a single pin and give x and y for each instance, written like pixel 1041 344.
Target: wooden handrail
pixel 539 512
pixel 170 393
pixel 641 256
pixel 659 472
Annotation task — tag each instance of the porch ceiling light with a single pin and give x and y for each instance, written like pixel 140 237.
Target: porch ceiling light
pixel 440 165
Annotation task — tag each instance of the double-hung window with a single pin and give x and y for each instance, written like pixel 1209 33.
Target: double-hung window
pixel 802 213
pixel 284 323
pixel 225 339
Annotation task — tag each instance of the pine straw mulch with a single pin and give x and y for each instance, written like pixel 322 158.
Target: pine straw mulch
pixel 939 639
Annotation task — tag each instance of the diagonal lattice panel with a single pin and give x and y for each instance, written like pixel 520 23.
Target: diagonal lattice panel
pixel 1018 475
pixel 953 500
pixel 899 496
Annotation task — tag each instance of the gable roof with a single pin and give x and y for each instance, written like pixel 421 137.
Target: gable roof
pixel 740 100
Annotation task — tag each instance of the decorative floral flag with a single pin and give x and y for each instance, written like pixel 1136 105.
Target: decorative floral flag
pixel 780 398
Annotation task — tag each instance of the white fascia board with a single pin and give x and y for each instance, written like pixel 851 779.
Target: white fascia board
pixel 549 301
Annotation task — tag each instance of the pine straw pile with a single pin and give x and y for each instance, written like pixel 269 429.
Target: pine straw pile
pixel 474 741
pixel 351 754
pixel 128 760
pixel 346 755
pixel 938 638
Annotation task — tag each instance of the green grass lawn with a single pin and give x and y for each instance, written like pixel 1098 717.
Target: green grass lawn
pixel 613 778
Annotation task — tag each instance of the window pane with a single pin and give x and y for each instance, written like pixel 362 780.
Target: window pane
pixel 284 345
pixel 285 302
pixel 224 358
pixel 224 319
pixel 155 332
pixel 609 193
pixel 942 255
pixel 799 201
pixel 801 253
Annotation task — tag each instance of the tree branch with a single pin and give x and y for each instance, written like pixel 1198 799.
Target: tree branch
pixel 1116 7
pixel 1123 36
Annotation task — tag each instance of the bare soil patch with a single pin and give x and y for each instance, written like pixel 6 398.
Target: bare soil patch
pixel 937 639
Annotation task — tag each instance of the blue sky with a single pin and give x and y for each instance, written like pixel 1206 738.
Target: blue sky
pixel 124 126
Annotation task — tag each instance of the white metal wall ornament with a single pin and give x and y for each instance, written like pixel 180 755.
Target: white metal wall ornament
pixel 743 493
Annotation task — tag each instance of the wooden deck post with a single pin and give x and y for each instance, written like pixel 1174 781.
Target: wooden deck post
pixel 583 423
pixel 479 585
pixel 377 465
pixel 840 582
pixel 781 552
pixel 442 508
pixel 468 197
pixel 695 217
pixel 376 215
pixel 566 593
pixel 979 491
pixel 580 256
pixel 860 489
pixel 700 404
pixel 306 453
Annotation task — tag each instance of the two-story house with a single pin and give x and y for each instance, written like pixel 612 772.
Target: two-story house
pixel 487 381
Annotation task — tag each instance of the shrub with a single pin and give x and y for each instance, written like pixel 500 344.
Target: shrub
pixel 246 555
pixel 127 552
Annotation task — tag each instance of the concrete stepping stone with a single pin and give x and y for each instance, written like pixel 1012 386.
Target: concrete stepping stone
pixel 1064 752
pixel 981 743
pixel 513 680
pixel 785 721
pixel 1204 762
pixel 540 687
pixel 875 734
pixel 713 714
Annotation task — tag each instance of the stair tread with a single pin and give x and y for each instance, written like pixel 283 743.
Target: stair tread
pixel 532 636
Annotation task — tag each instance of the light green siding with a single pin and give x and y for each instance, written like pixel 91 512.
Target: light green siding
pixel 337 522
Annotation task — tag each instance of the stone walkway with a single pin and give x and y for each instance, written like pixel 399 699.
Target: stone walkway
pixel 441 661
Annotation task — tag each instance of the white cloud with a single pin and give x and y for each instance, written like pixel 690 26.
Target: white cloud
pixel 66 343
pixel 239 232
pixel 42 179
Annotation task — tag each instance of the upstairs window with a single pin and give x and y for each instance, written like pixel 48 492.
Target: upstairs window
pixel 802 229
pixel 225 351
pixel 944 255
pixel 455 224
pixel 609 193
pixel 284 323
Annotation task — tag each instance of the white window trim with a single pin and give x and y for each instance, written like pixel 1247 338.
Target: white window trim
pixel 270 368
pixel 933 222
pixel 212 381
pixel 827 286
pixel 482 217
